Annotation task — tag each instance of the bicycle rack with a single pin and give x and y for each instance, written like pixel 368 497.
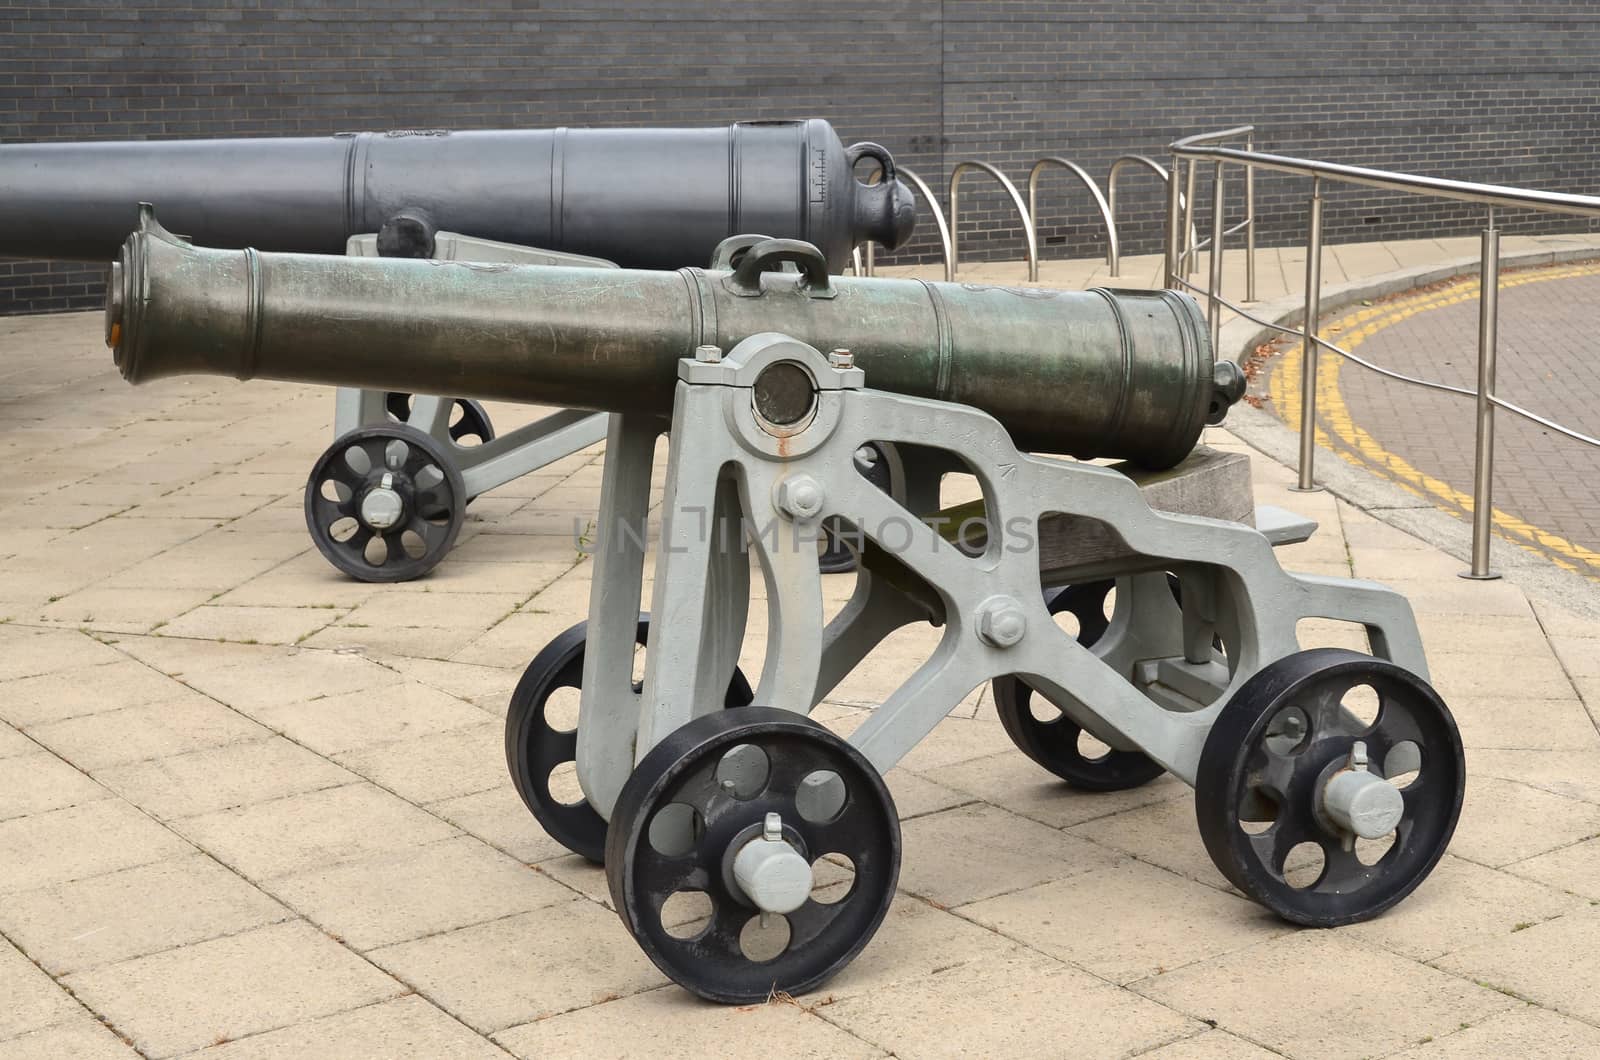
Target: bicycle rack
pixel 1082 174
pixel 1016 200
pixel 1123 162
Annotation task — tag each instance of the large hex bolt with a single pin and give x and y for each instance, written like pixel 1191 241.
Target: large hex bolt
pixel 1001 622
pixel 1362 802
pixel 382 507
pixel 799 497
pixel 772 873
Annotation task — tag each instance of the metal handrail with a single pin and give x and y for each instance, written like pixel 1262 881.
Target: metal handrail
pixel 1196 149
pixel 1078 171
pixel 1117 166
pixel 1016 200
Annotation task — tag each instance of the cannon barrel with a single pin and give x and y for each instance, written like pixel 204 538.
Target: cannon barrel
pixel 1099 373
pixel 646 198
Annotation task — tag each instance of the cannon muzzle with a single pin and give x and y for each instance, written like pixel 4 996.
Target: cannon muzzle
pixel 1098 373
pixel 648 198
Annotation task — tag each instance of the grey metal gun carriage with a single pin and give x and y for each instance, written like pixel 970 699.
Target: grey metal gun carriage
pixel 696 784
pixel 658 198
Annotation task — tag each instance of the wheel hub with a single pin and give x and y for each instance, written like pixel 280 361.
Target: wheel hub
pixel 383 506
pixel 763 867
pixel 1357 801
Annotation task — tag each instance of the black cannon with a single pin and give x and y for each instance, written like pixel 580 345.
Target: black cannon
pixel 647 198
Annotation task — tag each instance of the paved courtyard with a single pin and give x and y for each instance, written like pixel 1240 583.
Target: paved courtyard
pixel 1546 487
pixel 251 808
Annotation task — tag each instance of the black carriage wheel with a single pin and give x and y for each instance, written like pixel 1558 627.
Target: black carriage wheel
pixel 830 800
pixel 1269 757
pixel 1055 744
pixel 837 557
pixel 384 503
pixel 471 427
pixel 535 747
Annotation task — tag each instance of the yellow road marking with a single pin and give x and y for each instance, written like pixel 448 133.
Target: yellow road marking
pixel 1333 415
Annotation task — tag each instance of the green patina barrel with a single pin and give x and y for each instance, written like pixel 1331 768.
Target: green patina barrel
pixel 1100 373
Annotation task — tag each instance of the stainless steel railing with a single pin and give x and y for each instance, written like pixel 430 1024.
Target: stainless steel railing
pixel 1039 166
pixel 1207 147
pixel 864 264
pixel 1032 244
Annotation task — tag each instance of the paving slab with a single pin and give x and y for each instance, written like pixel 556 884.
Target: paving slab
pixel 1554 964
pixel 404 1027
pixel 1127 922
pixel 300 832
pixel 132 912
pixel 425 890
pixel 1022 1005
pixel 208 993
pixel 1356 991
pixel 219 778
pixel 525 967
pixel 668 1024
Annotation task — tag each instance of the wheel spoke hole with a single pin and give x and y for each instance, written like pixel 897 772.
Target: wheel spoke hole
pixel 564 786
pixel 1288 733
pixel 358 460
pixel 376 552
pixel 821 796
pixel 1044 712
pixel 395 453
pixel 1372 851
pixel 412 545
pixel 1258 811
pixel 1362 702
pixel 1303 865
pixel 1403 764
pixel 761 942
pixel 686 914
pixel 1068 623
pixel 675 829
pixel 561 709
pixel 429 477
pixel 343 528
pixel 833 877
pixel 742 772
pixel 1092 749
pixel 334 490
pixel 1109 607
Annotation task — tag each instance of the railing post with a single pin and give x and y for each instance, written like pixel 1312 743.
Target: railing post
pixel 1483 461
pixel 1174 225
pixel 1249 226
pixel 1188 222
pixel 1308 368
pixel 1218 227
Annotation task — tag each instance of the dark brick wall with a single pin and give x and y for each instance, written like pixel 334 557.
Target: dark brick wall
pixel 1502 92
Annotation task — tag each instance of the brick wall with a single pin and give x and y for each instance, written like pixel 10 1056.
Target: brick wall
pixel 1501 92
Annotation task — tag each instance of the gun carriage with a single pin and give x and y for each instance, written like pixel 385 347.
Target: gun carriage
pixel 1185 660
pixel 651 198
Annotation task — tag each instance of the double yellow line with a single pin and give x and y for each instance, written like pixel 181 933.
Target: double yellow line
pixel 1358 447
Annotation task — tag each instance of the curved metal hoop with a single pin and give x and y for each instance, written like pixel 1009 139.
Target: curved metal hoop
pixel 1123 162
pixel 1016 200
pixel 1094 190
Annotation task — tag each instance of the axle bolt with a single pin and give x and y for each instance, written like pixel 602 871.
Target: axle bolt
pixel 708 354
pixel 1001 622
pixel 841 358
pixel 800 497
